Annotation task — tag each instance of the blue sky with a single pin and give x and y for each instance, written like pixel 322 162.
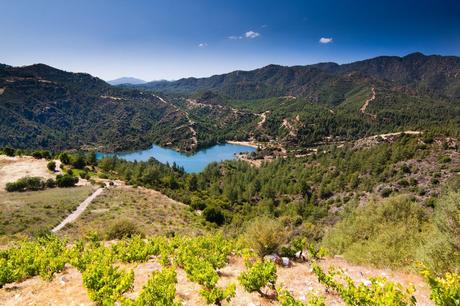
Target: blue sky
pixel 171 39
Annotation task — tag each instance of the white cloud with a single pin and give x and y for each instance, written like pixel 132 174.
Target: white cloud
pixel 325 40
pixel 202 45
pixel 234 37
pixel 251 34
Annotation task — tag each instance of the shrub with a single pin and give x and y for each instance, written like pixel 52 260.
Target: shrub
pixel 51 166
pixel 50 183
pixel 265 235
pixel 32 183
pixel 259 275
pixel 214 215
pixel 385 233
pixel 66 180
pixel 64 158
pixel 123 229
pixel 78 161
pixel 197 203
pixel 386 192
pixel 8 151
pixel 41 154
pixel 445 159
pixel 447 218
pixel 84 175
pixel 441 252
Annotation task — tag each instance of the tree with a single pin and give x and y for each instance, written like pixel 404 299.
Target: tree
pixel 64 158
pixel 79 161
pixel 193 182
pixel 51 166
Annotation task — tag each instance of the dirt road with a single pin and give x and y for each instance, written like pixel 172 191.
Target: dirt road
pixel 80 209
pixel 363 108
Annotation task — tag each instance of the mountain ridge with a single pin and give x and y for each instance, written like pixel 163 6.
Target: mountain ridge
pixel 42 106
pixel 427 71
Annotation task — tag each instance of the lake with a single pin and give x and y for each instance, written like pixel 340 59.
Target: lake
pixel 191 163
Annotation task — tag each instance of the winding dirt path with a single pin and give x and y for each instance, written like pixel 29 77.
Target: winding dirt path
pixel 263 119
pixel 363 108
pixel 190 121
pixel 80 209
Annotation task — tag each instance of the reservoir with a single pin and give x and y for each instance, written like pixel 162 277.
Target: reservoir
pixel 191 163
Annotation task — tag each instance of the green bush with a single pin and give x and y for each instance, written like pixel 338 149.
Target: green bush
pixel 8 151
pixel 441 252
pixel 51 166
pixel 28 183
pixel 265 235
pixel 123 229
pixel 41 154
pixel 78 161
pixel 385 233
pixel 50 183
pixel 445 159
pixel 64 158
pixel 214 215
pixel 66 180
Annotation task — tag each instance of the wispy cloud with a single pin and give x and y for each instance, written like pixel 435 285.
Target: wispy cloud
pixel 325 40
pixel 235 37
pixel 202 45
pixel 251 34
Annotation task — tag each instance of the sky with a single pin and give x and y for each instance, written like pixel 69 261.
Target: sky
pixel 171 39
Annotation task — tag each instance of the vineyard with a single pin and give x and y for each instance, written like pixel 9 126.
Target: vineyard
pixel 108 281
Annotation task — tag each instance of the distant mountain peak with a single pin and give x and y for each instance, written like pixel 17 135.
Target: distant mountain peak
pixel 415 54
pixel 126 80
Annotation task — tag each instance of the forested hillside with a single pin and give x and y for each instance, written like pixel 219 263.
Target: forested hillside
pixel 295 107
pixel 304 105
pixel 43 107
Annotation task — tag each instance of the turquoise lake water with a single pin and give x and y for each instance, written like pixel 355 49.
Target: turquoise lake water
pixel 191 163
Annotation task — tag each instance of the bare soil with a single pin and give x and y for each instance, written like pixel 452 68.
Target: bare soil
pixel 66 288
pixel 13 168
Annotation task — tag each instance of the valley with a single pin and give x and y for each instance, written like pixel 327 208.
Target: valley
pixel 230 153
pixel 354 166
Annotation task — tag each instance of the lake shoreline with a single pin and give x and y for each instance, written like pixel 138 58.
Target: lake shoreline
pixel 196 162
pixel 251 144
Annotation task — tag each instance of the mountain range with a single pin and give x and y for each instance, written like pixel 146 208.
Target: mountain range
pixel 44 107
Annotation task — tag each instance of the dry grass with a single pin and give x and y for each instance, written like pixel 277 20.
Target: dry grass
pixel 30 212
pixel 151 211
